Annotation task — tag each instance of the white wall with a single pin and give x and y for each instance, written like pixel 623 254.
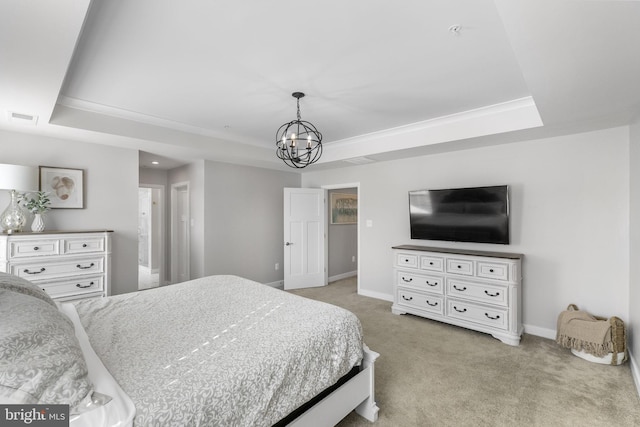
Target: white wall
pixel 569 216
pixel 110 193
pixel 633 332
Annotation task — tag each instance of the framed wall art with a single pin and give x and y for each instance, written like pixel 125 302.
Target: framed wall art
pixel 344 208
pixel 65 187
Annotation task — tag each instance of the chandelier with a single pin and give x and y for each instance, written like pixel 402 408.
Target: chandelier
pixel 298 143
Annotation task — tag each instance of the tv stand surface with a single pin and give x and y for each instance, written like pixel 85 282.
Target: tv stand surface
pixel 479 290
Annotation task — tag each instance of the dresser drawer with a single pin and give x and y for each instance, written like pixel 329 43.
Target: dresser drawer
pixel 432 263
pixel 84 245
pixel 407 260
pixel 35 270
pixel 432 303
pixel 478 291
pixel 31 248
pixel 493 270
pixel 493 317
pixel 460 266
pixel 78 287
pixel 428 283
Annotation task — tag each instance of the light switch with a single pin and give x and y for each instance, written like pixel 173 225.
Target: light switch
pixel 369 223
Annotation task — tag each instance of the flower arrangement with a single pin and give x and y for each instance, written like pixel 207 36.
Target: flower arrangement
pixel 38 204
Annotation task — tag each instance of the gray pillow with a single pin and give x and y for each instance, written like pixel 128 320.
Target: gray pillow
pixel 18 284
pixel 40 358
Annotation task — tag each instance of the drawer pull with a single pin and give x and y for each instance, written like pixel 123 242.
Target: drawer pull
pixel 459 266
pixel 464 310
pixel 431 284
pixel 407 299
pixel 26 270
pixel 406 260
pixel 36 248
pixel 492 318
pixel 431 263
pixel 491 270
pixel 492 295
pixel 460 289
pixel 432 305
pixel 85 286
pixel 84 245
pixel 410 279
pixel 84 268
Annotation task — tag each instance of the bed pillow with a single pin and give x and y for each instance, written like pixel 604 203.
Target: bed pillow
pixel 18 284
pixel 40 358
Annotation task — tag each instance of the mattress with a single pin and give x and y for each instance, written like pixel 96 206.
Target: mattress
pixel 221 350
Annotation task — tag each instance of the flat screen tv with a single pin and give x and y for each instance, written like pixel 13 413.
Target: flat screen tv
pixel 478 214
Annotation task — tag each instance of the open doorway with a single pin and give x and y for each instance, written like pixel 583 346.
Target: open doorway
pixel 150 236
pixel 180 233
pixel 343 231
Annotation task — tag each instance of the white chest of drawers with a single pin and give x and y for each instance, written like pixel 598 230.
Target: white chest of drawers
pixel 474 289
pixel 66 265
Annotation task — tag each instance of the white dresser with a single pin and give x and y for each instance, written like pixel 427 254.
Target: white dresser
pixel 67 265
pixel 474 289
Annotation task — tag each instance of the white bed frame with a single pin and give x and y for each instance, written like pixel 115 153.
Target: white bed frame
pixel 357 393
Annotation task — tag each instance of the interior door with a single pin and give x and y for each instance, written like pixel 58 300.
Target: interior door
pixel 304 238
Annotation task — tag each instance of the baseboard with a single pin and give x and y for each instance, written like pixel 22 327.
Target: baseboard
pixel 343 276
pixel 540 332
pixel 279 284
pixel 376 295
pixel 635 371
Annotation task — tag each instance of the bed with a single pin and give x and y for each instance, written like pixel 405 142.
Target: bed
pixel 221 350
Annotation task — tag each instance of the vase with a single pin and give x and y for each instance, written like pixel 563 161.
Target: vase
pixel 37 226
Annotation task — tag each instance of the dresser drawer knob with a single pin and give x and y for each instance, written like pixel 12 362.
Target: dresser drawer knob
pixel 410 279
pixel 36 248
pixel 406 260
pixel 83 267
pixel 26 270
pixel 431 263
pixel 407 299
pixel 432 284
pixel 459 266
pixel 464 310
pixel 491 270
pixel 84 245
pixel 84 286
pixel 464 288
pixel 492 295
pixel 432 305
pixel 492 318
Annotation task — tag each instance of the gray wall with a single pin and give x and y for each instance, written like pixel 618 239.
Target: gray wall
pixel 634 252
pixel 569 216
pixel 110 193
pixel 343 242
pixel 244 220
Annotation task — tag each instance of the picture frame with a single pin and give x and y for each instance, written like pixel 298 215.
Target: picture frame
pixel 344 208
pixel 64 185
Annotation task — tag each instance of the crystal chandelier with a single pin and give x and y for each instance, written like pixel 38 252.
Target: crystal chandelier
pixel 298 143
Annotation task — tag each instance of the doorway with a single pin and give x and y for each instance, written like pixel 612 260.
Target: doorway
pixel 151 260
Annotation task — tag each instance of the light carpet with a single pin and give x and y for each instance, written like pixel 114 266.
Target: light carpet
pixel 433 374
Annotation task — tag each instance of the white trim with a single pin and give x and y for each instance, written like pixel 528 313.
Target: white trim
pixel 635 371
pixel 279 284
pixel 376 295
pixel 343 276
pixel 540 332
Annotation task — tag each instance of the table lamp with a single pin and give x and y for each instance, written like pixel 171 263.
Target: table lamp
pixel 16 178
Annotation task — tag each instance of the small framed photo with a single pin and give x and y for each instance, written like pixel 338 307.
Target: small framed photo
pixel 65 187
pixel 344 208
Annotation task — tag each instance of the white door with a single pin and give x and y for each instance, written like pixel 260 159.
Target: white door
pixel 180 233
pixel 304 238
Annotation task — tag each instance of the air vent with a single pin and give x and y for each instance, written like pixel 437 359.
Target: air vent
pixel 21 118
pixel 359 160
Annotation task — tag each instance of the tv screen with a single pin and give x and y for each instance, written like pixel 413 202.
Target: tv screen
pixel 479 214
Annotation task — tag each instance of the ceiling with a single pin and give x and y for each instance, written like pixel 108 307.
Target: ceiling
pixel 383 80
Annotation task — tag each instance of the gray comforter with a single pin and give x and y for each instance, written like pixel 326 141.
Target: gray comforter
pixel 221 350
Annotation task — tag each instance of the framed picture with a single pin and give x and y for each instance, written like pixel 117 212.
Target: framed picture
pixel 344 208
pixel 65 186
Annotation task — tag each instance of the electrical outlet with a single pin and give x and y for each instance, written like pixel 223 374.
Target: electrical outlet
pixel 353 258
pixel 277 266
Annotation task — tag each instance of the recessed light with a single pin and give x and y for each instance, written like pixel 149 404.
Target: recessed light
pixel 155 163
pixel 455 29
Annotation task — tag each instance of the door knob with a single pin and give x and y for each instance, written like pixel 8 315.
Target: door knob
pixel 288 244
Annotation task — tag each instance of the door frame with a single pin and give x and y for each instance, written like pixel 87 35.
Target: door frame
pixel 174 230
pixel 326 189
pixel 163 231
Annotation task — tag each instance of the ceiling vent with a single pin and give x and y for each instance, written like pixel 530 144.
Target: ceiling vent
pixel 21 118
pixel 359 160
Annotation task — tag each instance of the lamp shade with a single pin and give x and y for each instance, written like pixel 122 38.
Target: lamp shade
pixel 16 177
